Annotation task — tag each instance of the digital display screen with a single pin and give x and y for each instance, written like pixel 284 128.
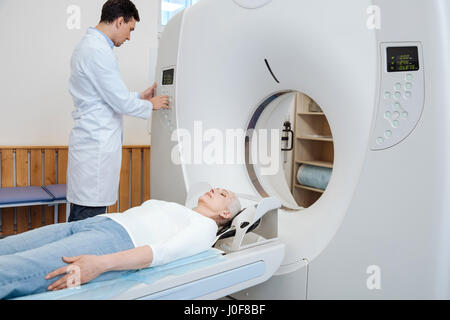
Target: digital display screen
pixel 168 77
pixel 402 59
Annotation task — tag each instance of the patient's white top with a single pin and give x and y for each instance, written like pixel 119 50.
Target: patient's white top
pixel 170 229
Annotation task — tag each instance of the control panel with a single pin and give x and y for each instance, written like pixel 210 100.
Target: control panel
pixel 168 88
pixel 402 93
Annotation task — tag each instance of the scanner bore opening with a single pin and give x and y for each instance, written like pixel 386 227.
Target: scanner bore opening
pixel 306 152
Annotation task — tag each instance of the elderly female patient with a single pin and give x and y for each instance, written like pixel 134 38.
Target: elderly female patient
pixel 105 246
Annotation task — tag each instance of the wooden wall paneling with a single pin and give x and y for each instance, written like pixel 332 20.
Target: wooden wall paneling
pixel 62 179
pixel 113 208
pixel 146 175
pixel 38 166
pixel 124 188
pixel 36 180
pixel 7 181
pixel 136 176
pixel 49 178
pixel 22 181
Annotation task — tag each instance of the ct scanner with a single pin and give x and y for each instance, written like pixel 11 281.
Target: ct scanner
pixel 384 218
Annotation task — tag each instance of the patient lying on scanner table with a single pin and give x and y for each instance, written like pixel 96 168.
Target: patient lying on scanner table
pixel 106 246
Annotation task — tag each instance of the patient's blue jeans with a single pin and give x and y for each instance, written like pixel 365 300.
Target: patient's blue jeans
pixel 25 259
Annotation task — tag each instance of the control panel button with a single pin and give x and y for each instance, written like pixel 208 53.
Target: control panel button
pixel 409 77
pixel 388 134
pixel 397 106
pixel 408 94
pixel 398 86
pixel 408 86
pixel 404 114
pixel 395 123
pixel 387 95
pixel 387 114
pixel 380 140
pixel 397 95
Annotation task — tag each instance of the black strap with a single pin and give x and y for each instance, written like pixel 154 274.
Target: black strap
pixel 49 193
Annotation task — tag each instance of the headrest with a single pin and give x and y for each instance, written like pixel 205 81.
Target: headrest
pixel 259 210
pixel 246 201
pixel 227 226
pixel 227 231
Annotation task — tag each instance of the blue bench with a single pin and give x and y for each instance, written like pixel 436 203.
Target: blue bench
pixel 51 195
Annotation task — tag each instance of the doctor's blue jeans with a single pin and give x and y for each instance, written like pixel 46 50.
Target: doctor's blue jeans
pixel 25 259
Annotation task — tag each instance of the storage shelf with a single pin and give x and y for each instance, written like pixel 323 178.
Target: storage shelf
pixel 316 163
pixel 309 188
pixel 311 113
pixel 316 138
pixel 313 145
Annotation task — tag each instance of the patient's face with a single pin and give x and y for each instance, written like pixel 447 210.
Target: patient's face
pixel 217 199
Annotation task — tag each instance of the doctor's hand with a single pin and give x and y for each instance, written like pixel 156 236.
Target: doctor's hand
pixel 149 93
pixel 160 102
pixel 81 269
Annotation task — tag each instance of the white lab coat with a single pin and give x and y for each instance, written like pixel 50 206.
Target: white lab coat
pixel 101 99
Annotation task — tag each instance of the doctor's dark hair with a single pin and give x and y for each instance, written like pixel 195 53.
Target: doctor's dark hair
pixel 113 9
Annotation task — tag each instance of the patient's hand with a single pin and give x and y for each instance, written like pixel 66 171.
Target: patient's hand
pixel 81 269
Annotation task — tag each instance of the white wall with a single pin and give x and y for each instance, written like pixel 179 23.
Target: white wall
pixel 35 104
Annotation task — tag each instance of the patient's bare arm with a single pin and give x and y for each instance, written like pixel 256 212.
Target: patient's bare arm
pixel 137 258
pixel 89 267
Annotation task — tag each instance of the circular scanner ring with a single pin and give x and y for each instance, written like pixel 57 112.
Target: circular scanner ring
pixel 251 126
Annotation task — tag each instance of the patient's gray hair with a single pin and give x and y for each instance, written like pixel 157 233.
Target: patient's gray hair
pixel 234 207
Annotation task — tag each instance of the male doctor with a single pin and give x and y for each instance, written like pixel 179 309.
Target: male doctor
pixel 101 99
